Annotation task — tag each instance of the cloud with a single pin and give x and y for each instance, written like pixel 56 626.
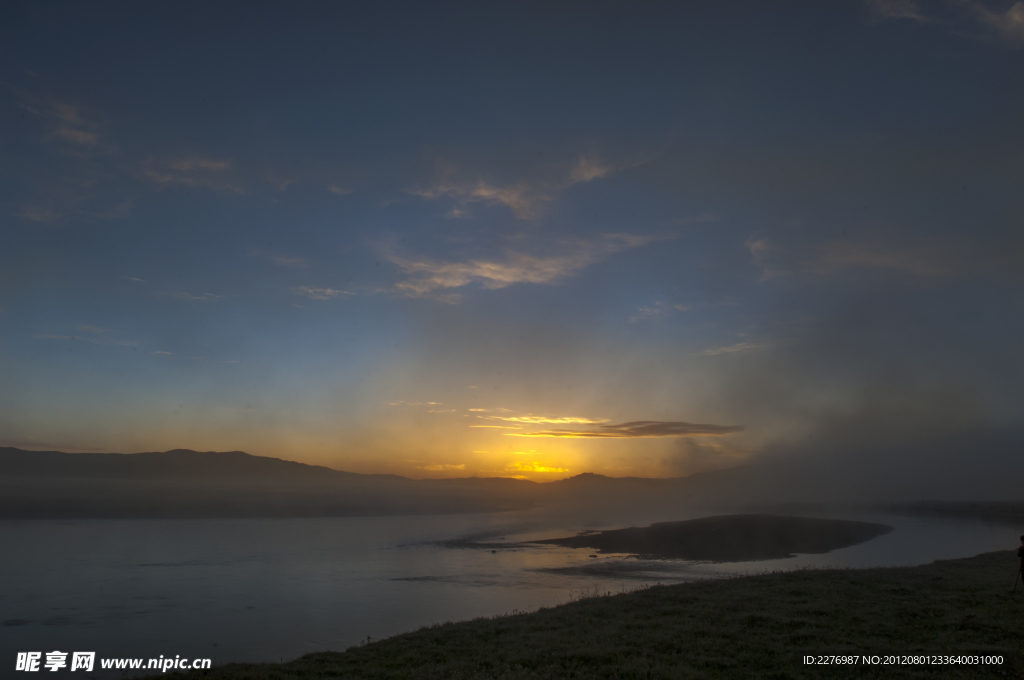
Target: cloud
pixel 193 171
pixel 162 352
pixel 533 467
pixel 703 218
pixel 68 122
pixel 198 163
pixel 898 9
pixel 972 18
pixel 441 467
pixel 762 251
pixel 339 191
pixel 83 165
pixel 526 198
pixel 641 428
pixel 189 297
pixel 926 260
pixel 655 312
pixel 738 347
pixel 531 419
pixel 38 213
pixel 427 276
pixel 77 136
pixel 920 261
pixel 281 259
pixel 1009 24
pixel 95 341
pixel 588 169
pixel 92 329
pixel 320 293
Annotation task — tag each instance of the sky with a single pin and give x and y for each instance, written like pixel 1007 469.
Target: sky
pixel 514 239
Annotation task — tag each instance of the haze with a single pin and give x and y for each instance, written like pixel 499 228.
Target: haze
pixel 455 240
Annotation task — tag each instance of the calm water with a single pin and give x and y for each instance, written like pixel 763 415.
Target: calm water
pixel 268 590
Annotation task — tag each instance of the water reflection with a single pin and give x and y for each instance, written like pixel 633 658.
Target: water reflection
pixel 268 590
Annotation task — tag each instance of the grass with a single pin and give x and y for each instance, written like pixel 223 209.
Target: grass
pixel 747 627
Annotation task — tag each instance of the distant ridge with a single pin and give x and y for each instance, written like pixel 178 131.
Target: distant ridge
pixel 190 464
pixel 182 483
pixel 173 464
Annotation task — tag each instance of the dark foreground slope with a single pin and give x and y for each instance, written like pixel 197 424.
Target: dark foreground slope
pixel 750 627
pixel 730 538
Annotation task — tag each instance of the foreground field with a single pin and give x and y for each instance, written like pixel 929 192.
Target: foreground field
pixel 750 627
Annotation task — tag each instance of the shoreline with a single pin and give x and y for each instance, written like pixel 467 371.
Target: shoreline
pixel 747 626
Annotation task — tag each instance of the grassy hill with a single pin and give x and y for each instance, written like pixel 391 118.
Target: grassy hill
pixel 749 627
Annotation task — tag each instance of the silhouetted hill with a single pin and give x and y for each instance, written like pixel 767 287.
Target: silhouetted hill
pixel 185 483
pixel 174 464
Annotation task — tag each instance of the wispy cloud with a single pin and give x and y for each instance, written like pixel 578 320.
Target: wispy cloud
pixel 69 122
pixel 898 9
pixel 339 191
pixel 525 197
pixel 93 340
pixel 320 293
pixel 83 168
pixel 640 428
pixel 553 420
pixel 525 201
pixel 162 352
pixel 39 213
pixel 762 252
pixel 92 329
pixel 193 171
pixel 1009 24
pixel 655 312
pixel 588 169
pixel 189 297
pixel 533 467
pixel 441 467
pixel 280 259
pixel 924 261
pixel 973 18
pixel 426 276
pixel 730 349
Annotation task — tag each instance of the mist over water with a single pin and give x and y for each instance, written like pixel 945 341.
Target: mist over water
pixel 270 590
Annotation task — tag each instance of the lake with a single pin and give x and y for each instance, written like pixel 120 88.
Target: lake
pixel 274 589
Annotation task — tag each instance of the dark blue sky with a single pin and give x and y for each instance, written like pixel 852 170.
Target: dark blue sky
pixel 400 237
